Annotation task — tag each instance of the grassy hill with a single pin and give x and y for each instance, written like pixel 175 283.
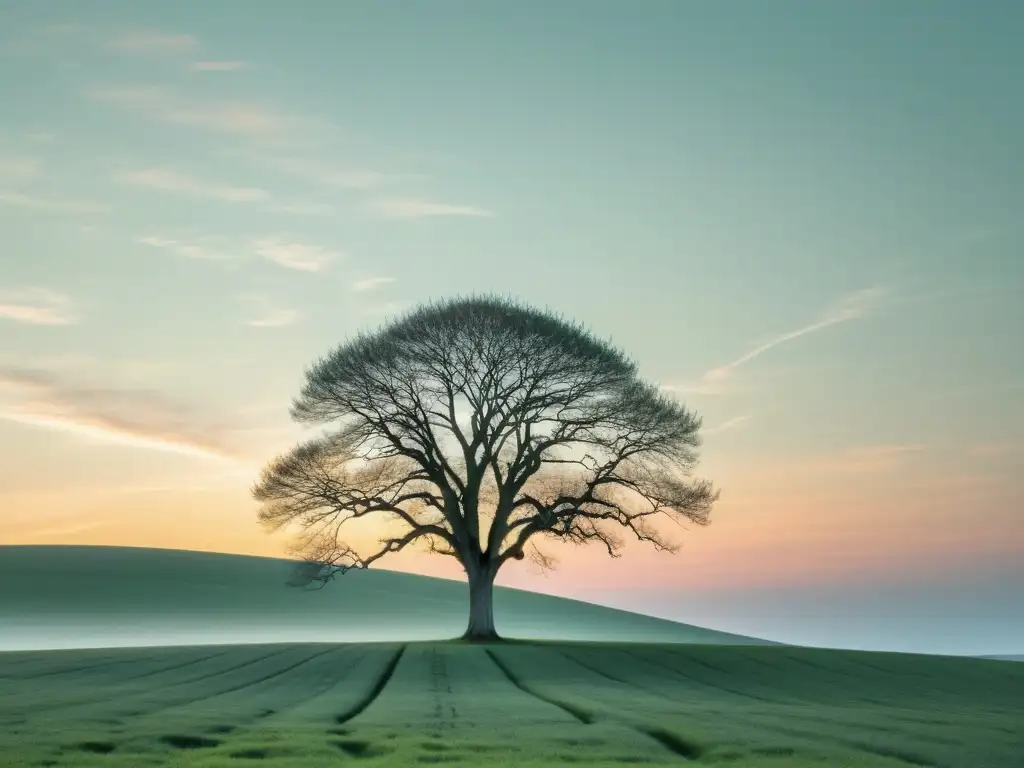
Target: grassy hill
pixel 72 596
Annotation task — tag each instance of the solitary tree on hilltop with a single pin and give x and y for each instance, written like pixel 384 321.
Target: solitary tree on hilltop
pixel 479 426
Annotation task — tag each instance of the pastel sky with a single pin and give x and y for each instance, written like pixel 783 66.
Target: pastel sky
pixel 802 219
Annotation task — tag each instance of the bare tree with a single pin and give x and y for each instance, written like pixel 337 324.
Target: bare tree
pixel 477 427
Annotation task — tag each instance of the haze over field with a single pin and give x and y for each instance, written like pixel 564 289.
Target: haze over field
pixel 95 597
pixel 801 220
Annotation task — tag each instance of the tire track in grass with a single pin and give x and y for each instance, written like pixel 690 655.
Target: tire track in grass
pixel 851 717
pixel 949 696
pixel 115 688
pixel 668 740
pixel 77 669
pixel 798 710
pixel 709 684
pixel 607 676
pixel 896 753
pixel 378 687
pixel 285 713
pixel 90 702
pixel 814 733
pixel 579 713
pixel 240 686
pixel 836 675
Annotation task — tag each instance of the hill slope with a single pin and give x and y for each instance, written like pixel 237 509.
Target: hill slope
pixel 79 597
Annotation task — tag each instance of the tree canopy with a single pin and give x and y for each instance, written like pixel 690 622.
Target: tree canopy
pixel 479 426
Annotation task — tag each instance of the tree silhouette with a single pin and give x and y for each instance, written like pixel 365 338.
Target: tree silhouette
pixel 477 427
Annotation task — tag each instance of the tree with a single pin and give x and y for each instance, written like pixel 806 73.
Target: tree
pixel 477 427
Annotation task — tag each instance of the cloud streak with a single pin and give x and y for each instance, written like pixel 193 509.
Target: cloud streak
pixel 138 418
pixel 34 202
pixel 277 318
pixel 853 306
pixel 185 250
pixel 371 284
pixel 727 425
pixel 304 258
pixel 37 306
pixel 149 43
pixel 18 168
pixel 218 66
pixel 407 208
pixel 314 170
pixel 232 117
pixel 167 180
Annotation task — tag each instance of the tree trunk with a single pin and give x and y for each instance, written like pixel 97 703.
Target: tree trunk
pixel 481 606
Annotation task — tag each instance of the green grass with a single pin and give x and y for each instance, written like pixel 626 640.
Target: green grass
pixel 520 703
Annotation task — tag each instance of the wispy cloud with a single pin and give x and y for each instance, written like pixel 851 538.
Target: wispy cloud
pixel 869 459
pixel 407 208
pixel 18 168
pixel 305 209
pixel 153 43
pixel 853 306
pixel 185 250
pixel 37 306
pixel 995 449
pixel 50 205
pixel 233 118
pixel 305 258
pixel 371 283
pixel 263 312
pixel 856 461
pixel 139 418
pixel 727 425
pixel 313 169
pixel 278 318
pixel 218 66
pixel 167 180
pixel 59 531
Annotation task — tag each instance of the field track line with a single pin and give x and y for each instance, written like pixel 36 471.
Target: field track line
pixel 666 738
pixel 376 691
pixel 123 696
pixel 687 676
pixel 579 714
pixel 838 676
pixel 681 747
pixel 247 684
pixel 148 673
pixel 72 670
pixel 333 683
pixel 904 756
pixel 628 683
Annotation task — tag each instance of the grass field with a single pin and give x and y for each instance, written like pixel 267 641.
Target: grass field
pixel 519 703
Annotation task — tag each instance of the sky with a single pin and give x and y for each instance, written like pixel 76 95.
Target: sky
pixel 801 219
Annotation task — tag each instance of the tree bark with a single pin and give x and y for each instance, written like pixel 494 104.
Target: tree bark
pixel 481 606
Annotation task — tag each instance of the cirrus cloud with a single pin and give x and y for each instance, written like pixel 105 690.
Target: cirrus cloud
pixel 168 180
pixel 370 283
pixel 153 43
pixel 37 306
pixel 852 306
pixel 290 255
pixel 408 208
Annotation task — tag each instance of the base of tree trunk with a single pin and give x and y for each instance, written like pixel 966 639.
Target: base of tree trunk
pixel 481 637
